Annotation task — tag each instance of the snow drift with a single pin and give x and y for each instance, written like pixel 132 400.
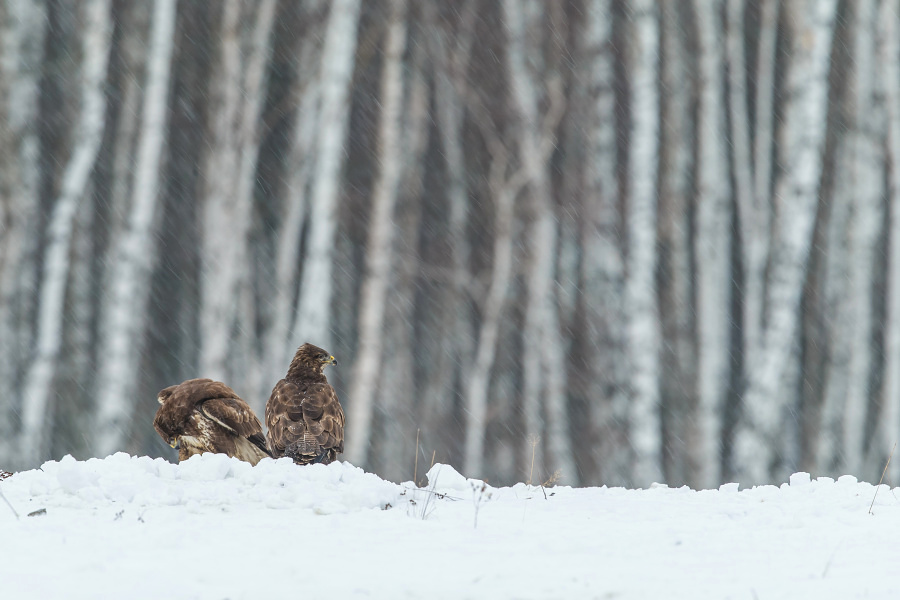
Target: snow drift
pixel 214 527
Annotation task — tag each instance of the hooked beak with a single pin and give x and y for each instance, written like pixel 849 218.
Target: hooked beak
pixel 331 361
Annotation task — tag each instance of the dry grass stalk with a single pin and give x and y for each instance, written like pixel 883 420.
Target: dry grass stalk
pixel 882 476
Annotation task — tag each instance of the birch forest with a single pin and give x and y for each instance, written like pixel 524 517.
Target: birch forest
pixel 586 241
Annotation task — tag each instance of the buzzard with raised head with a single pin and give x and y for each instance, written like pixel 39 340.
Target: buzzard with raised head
pixel 202 415
pixel 303 414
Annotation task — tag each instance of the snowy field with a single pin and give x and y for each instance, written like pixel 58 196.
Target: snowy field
pixel 214 527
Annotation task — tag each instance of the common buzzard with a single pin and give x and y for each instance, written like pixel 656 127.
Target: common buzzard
pixel 303 414
pixel 202 415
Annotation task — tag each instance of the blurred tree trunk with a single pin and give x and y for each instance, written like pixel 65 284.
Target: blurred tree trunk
pixel 888 423
pixel 756 219
pixel 397 390
pixel 602 262
pixel 678 359
pixel 312 320
pixel 866 181
pixel 124 314
pixel 503 190
pixel 544 355
pixel 238 91
pixel 279 345
pixel 640 283
pixel 379 249
pixel 22 29
pixel 450 46
pixel 796 196
pixel 87 135
pixel 712 229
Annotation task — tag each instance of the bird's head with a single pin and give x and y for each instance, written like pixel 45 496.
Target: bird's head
pixel 165 394
pixel 311 358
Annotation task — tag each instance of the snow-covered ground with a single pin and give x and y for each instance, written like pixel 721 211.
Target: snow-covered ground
pixel 214 527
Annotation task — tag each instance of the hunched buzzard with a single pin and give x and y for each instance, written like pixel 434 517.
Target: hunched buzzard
pixel 303 414
pixel 202 415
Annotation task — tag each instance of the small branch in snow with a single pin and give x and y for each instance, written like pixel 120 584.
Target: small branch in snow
pixel 8 504
pixel 882 477
pixel 479 495
pixel 416 467
pixel 535 440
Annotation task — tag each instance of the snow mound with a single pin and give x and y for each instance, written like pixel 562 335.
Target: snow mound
pixel 214 527
pixel 201 481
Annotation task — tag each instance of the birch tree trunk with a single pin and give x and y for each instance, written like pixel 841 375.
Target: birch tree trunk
pixel 756 219
pixel 796 196
pixel 239 88
pixel 87 136
pixel 503 190
pixel 312 321
pixel 397 388
pixel 602 263
pixel 713 247
pixel 888 424
pixel 830 435
pixel 451 49
pixel 678 360
pixel 544 356
pixel 287 256
pixel 866 180
pixel 640 283
pixel 22 30
pixel 752 207
pixel 124 314
pixel 380 238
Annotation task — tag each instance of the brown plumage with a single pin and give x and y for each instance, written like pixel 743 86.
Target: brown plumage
pixel 4 474
pixel 202 415
pixel 303 414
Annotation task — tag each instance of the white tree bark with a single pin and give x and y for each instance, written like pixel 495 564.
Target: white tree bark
pixel 829 444
pixel 756 219
pixel 602 263
pixel 22 30
pixel 451 51
pixel 712 227
pixel 889 54
pixel 544 356
pixel 87 136
pixel 640 285
pixel 866 179
pixel 397 389
pixel 279 346
pixel 678 316
pixel 312 321
pixel 503 189
pixel 796 194
pixel 240 88
pixel 380 236
pixel 124 315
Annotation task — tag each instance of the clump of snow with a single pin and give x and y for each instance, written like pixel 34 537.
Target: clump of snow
pixel 204 480
pixel 214 527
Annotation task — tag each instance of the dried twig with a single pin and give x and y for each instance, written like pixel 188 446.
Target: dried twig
pixel 882 477
pixel 534 442
pixel 416 467
pixel 478 496
pixel 9 504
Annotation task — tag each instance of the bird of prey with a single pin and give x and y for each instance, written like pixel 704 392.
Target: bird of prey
pixel 202 415
pixel 303 414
